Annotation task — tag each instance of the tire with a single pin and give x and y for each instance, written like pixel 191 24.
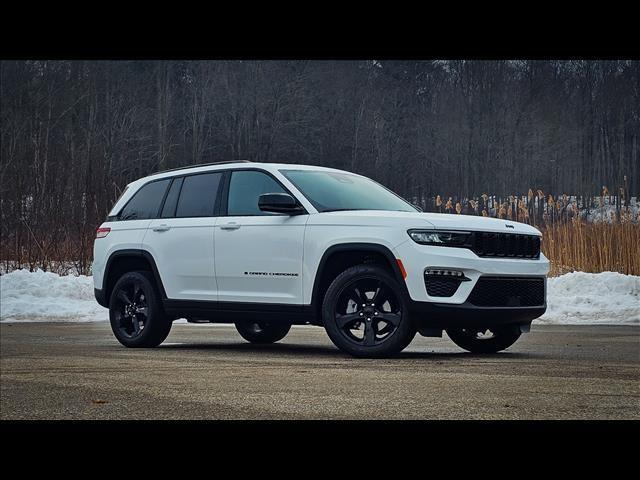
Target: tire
pixel 344 315
pixel 262 331
pixel 472 339
pixel 153 326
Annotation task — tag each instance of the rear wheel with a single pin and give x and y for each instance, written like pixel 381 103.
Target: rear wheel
pixel 135 312
pixel 365 314
pixel 484 340
pixel 260 331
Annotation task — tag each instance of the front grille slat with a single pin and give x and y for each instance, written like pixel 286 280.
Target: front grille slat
pixel 507 292
pixel 510 245
pixel 522 246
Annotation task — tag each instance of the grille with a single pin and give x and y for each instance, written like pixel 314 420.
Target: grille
pixel 509 245
pixel 438 286
pixel 508 292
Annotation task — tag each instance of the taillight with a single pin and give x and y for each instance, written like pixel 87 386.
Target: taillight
pixel 102 232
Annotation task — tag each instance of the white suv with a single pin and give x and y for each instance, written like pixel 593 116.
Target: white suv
pixel 267 246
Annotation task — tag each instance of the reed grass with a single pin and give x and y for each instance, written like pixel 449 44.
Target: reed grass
pixel 592 247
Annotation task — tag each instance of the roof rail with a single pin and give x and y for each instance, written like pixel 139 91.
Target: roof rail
pixel 202 165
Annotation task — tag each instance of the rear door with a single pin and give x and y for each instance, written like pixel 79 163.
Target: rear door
pixel 258 254
pixel 182 239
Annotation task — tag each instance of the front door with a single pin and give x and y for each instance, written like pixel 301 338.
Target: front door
pixel 258 255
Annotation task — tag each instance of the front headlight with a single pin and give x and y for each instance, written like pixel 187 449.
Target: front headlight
pixel 440 238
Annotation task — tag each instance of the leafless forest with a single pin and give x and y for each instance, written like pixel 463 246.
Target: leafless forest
pixel 456 136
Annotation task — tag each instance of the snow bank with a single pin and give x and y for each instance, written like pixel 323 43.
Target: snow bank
pixel 573 298
pixel 592 298
pixel 45 296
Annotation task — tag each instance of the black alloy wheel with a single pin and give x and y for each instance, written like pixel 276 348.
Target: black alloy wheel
pixel 367 312
pixel 364 313
pixel 131 309
pixel 135 312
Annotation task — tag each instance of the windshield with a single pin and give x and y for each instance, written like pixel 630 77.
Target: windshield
pixel 334 191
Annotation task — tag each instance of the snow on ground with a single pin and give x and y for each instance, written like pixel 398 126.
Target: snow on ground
pixel 574 298
pixel 46 296
pixel 592 298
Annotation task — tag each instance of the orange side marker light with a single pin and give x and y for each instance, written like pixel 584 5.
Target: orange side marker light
pixel 402 270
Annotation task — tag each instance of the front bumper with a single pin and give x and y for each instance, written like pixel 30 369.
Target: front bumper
pixel 456 311
pixel 418 258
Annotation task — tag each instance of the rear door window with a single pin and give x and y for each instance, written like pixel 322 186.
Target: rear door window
pixel 198 195
pixel 146 202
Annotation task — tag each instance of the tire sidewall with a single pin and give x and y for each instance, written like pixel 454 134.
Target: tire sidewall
pixel 396 342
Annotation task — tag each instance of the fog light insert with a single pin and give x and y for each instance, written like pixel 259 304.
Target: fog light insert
pixel 441 282
pixel 443 272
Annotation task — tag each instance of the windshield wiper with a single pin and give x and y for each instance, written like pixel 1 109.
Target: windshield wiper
pixel 356 209
pixel 343 209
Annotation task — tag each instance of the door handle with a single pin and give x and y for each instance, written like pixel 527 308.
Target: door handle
pixel 161 228
pixel 230 226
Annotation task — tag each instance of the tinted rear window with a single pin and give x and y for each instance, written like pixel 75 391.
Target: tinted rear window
pixel 198 195
pixel 146 202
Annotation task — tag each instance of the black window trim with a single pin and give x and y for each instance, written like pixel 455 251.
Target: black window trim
pixel 220 207
pixel 164 200
pixel 224 207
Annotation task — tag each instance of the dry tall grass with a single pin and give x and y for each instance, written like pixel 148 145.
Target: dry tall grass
pixel 592 247
pixel 583 233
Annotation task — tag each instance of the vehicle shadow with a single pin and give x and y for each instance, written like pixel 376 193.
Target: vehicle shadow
pixel 256 348
pixel 467 355
pixel 292 349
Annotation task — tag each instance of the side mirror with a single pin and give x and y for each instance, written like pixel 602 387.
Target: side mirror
pixel 279 203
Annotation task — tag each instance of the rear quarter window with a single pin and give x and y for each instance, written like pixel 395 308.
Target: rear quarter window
pixel 145 203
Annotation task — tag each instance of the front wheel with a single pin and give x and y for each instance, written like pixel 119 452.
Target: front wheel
pixel 262 331
pixel 365 314
pixel 484 340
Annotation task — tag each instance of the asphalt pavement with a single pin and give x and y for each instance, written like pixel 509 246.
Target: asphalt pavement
pixel 79 371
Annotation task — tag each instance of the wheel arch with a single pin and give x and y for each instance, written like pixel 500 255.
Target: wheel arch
pixel 337 258
pixel 128 260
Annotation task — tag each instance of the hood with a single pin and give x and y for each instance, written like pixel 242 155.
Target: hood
pixel 442 221
pixel 478 223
